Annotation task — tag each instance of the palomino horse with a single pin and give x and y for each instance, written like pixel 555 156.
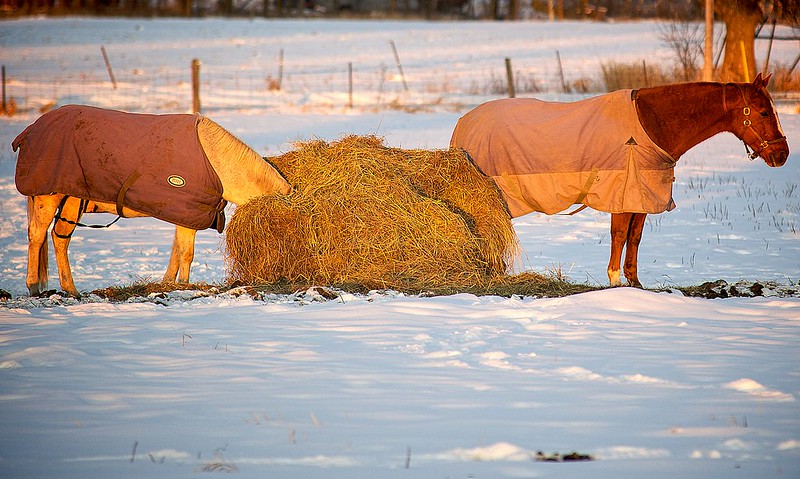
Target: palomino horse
pixel 614 153
pixel 88 150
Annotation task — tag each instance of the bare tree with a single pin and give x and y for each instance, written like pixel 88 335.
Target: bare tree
pixel 686 41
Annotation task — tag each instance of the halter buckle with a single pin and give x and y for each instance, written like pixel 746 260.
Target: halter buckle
pixel 751 155
pixel 746 111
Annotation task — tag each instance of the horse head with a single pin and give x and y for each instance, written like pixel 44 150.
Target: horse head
pixel 756 123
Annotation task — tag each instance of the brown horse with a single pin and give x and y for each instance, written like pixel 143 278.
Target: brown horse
pixel 79 144
pixel 621 166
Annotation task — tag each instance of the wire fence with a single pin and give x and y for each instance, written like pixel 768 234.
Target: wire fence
pixel 363 86
pixel 427 86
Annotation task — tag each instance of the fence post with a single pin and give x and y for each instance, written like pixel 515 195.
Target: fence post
pixel 108 66
pixel 399 65
pixel 561 73
pixel 350 84
pixel 5 108
pixel 280 70
pixel 195 86
pixel 708 49
pixel 644 70
pixel 510 76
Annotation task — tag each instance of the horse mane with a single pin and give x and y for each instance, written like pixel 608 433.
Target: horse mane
pixel 703 93
pixel 223 148
pixel 672 114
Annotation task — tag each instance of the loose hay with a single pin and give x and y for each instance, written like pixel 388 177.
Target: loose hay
pixel 363 213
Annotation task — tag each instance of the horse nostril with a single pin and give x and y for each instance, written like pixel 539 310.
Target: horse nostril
pixel 780 157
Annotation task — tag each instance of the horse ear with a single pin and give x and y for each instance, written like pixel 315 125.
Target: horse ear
pixel 762 82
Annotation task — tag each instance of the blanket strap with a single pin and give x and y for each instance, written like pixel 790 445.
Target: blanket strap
pixel 584 191
pixel 81 210
pixel 124 190
pixel 575 211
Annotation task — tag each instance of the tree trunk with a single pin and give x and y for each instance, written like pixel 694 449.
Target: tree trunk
pixel 513 10
pixel 226 7
pixel 493 6
pixel 741 18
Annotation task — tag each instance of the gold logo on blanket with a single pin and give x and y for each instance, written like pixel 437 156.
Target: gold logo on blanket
pixel 176 181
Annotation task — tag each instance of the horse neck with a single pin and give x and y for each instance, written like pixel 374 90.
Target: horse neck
pixel 244 180
pixel 242 172
pixel 678 117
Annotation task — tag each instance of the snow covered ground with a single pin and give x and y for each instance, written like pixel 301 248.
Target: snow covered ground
pixel 385 385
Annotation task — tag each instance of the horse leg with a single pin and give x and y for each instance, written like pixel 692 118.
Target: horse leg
pixel 620 222
pixel 635 230
pixel 62 234
pixel 180 260
pixel 41 210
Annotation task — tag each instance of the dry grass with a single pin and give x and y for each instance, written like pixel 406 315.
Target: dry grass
pixel 784 80
pixel 619 76
pixel 528 284
pixel 362 213
pixel 146 287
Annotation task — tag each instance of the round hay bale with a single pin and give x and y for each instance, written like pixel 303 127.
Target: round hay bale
pixel 365 214
pixel 452 177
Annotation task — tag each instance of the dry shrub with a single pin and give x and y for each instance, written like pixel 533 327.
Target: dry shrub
pixel 363 213
pixel 784 79
pixel 619 76
pixel 11 107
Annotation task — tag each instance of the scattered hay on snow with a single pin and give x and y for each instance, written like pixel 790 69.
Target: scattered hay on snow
pixel 363 213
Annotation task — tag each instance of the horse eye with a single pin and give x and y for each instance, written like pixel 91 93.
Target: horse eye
pixel 764 114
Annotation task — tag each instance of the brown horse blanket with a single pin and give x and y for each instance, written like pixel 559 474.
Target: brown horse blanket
pixel 548 156
pixel 153 164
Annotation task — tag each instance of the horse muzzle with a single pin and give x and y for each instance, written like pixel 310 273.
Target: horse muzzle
pixel 776 158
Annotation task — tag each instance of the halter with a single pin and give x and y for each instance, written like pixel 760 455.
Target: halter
pixel 748 125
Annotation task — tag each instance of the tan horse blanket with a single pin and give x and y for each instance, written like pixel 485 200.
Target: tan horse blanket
pixel 153 164
pixel 548 156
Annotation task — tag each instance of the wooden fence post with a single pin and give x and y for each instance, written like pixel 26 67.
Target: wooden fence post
pixel 108 67
pixel 399 65
pixel 5 108
pixel 644 70
pixel 280 70
pixel 510 76
pixel 561 73
pixel 350 85
pixel 195 86
pixel 708 49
